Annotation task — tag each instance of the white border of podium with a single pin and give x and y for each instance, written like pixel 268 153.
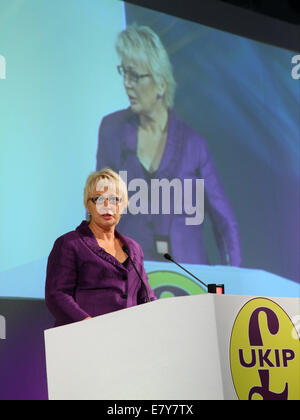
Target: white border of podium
pixel 170 349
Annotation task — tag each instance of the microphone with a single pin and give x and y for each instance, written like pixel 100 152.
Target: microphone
pixel 211 288
pixel 126 250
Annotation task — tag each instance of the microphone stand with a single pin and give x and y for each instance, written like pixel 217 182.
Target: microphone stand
pixel 211 288
pixel 126 250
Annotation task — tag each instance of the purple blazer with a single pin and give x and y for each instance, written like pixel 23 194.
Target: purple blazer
pixel 84 280
pixel 186 156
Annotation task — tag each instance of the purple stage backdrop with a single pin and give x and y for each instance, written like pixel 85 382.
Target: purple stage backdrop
pixel 22 353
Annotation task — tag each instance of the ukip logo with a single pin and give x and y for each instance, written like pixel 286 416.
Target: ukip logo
pixel 264 353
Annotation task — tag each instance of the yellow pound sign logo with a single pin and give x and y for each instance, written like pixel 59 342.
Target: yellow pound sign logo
pixel 264 353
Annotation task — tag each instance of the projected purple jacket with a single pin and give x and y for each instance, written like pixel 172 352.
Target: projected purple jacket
pixel 83 280
pixel 186 156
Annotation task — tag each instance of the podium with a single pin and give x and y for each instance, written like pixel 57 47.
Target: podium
pixel 181 348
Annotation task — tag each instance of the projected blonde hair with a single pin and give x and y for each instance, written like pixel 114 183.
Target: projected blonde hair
pixel 109 174
pixel 139 44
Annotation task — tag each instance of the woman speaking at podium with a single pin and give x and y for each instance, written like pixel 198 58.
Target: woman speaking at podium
pixel 95 269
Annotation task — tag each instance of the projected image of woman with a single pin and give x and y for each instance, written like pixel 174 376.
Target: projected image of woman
pixel 149 141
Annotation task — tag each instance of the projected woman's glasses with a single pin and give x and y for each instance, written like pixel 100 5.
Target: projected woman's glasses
pixel 131 75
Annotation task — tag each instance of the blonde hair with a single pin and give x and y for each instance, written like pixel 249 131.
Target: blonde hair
pixel 105 173
pixel 140 44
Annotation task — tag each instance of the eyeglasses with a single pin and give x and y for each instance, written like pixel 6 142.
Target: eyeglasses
pixel 131 75
pixel 100 200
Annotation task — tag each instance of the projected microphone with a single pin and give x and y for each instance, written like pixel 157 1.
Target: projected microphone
pixel 126 250
pixel 211 288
